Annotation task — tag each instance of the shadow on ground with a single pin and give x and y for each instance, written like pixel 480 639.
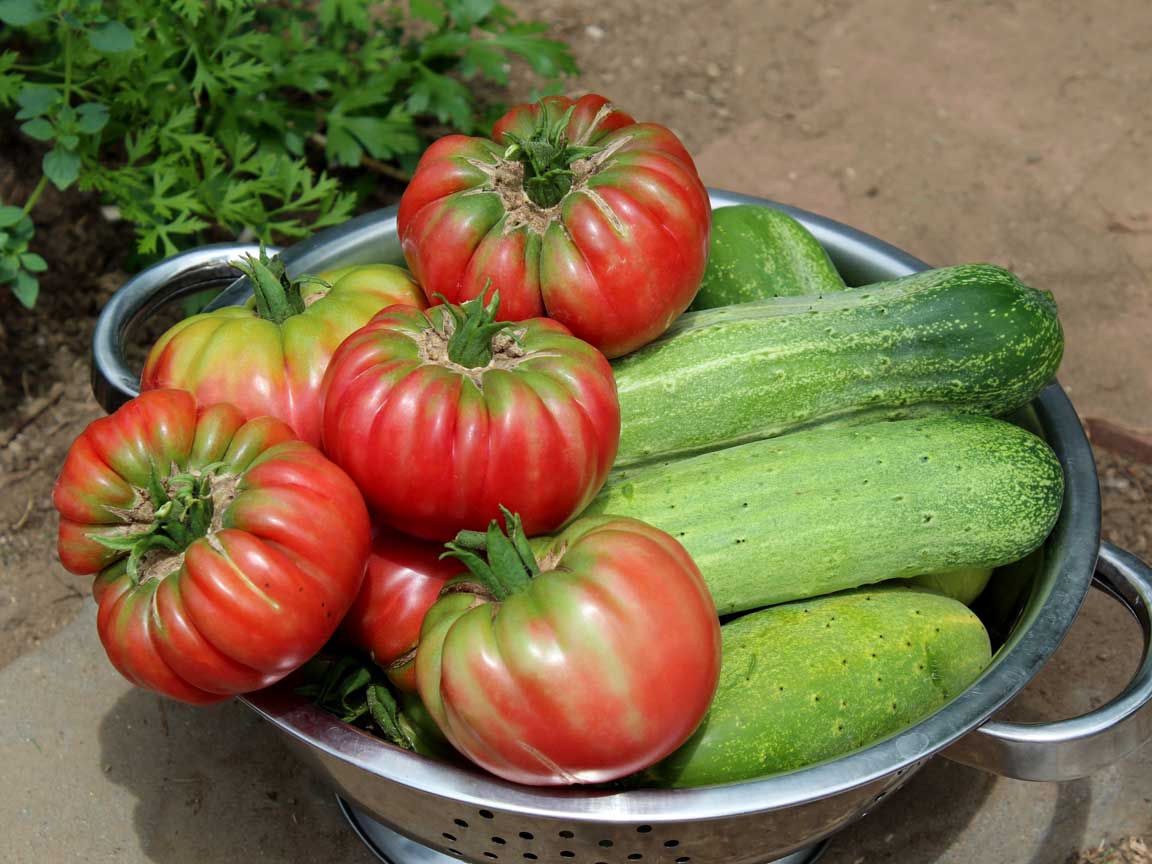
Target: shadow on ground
pixel 216 784
pixel 944 809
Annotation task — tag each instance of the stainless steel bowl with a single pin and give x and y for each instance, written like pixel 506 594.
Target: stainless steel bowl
pixel 475 817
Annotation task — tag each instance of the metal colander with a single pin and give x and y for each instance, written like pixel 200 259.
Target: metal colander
pixel 468 815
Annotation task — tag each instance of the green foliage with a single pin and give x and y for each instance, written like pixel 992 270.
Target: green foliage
pixel 201 118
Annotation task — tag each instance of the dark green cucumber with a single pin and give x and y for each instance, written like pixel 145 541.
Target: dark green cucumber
pixel 810 681
pixel 964 585
pixel 971 339
pixel 827 509
pixel 758 252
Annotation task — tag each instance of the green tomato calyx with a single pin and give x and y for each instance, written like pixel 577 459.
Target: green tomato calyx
pixel 278 296
pixel 183 508
pixel 547 158
pixel 475 326
pixel 501 561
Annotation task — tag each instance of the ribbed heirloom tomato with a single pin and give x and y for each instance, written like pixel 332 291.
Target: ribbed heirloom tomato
pixel 577 660
pixel 574 211
pixel 402 581
pixel 442 416
pixel 225 552
pixel 268 357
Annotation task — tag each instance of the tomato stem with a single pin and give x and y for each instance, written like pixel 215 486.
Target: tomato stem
pixel 278 296
pixel 470 344
pixel 182 513
pixel 547 157
pixel 508 564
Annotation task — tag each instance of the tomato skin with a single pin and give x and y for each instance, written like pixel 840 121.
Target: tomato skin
pixel 597 669
pixel 252 599
pixel 616 260
pixel 264 368
pixel 437 449
pixel 403 578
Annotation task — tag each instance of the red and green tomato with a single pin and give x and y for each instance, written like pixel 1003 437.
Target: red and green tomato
pixel 268 356
pixel 577 660
pixel 444 415
pixel 403 579
pixel 225 551
pixel 571 210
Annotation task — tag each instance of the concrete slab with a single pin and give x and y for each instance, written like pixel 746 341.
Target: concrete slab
pixel 98 771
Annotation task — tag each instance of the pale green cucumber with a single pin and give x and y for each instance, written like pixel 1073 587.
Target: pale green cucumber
pixel 757 252
pixel 964 585
pixel 827 509
pixel 809 681
pixel 970 339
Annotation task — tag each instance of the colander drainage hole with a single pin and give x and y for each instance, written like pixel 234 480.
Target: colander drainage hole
pixel 683 859
pixel 567 835
pixel 643 829
pixel 531 856
pixel 499 841
pixel 456 852
pixel 606 843
pixel 487 814
pixel 448 836
pixel 461 823
pixel 527 835
pixel 635 856
pixel 671 844
pixel 491 855
pixel 567 853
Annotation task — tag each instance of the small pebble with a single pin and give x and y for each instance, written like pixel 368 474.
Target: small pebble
pixel 594 32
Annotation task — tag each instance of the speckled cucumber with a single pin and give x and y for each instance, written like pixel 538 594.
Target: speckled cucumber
pixel 827 509
pixel 809 681
pixel 757 252
pixel 971 339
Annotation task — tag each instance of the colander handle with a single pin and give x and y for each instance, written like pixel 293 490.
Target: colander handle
pixel 113 381
pixel 1068 749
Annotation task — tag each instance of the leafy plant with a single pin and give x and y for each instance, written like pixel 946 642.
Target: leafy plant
pixel 220 117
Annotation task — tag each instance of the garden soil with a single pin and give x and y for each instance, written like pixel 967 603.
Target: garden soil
pixel 1012 131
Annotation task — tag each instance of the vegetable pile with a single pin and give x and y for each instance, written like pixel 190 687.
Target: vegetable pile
pixel 518 507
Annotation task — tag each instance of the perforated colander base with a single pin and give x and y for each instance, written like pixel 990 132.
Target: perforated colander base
pixel 393 848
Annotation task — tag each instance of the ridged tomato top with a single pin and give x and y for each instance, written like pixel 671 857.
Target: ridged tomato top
pixel 617 256
pixel 437 447
pixel 269 368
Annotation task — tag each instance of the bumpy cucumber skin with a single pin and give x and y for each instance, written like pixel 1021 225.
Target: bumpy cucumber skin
pixel 971 339
pixel 827 509
pixel 758 252
pixel 810 681
pixel 964 585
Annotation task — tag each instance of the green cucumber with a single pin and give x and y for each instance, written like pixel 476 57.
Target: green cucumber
pixel 964 585
pixel 970 339
pixel 810 681
pixel 830 508
pixel 757 252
